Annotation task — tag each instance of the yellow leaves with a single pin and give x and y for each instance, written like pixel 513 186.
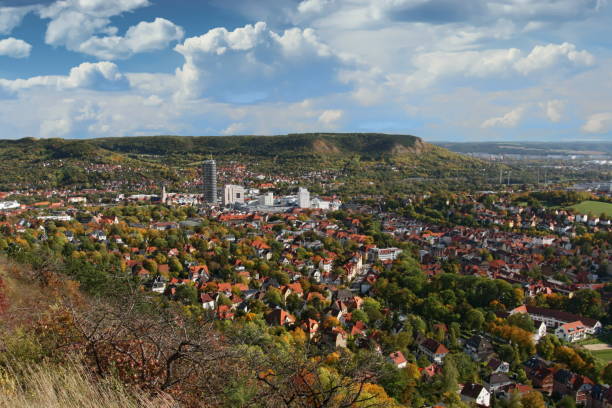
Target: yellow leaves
pixel 266 374
pixel 331 321
pixel 519 294
pixel 412 371
pixel 515 334
pixel 375 395
pixel 332 358
pixel 299 336
pixel 249 317
pixel 569 356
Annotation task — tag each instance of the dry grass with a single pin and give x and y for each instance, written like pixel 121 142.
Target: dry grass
pixel 68 386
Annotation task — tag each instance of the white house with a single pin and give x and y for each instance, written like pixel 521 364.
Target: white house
pixel 476 393
pixel 572 332
pixel 208 302
pixel 434 350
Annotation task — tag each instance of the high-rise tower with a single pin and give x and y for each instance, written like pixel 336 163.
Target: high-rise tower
pixel 209 177
pixel 303 198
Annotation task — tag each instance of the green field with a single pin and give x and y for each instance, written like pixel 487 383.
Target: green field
pixel 595 207
pixel 605 355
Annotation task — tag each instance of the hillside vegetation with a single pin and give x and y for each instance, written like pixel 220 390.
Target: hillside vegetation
pixel 96 162
pixel 62 348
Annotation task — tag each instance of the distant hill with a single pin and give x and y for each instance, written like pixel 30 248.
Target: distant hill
pixel 366 144
pixel 532 148
pixel 60 162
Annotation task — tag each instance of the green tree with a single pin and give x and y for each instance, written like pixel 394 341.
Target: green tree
pixel 186 294
pixel 546 347
pixel 607 374
pixel 273 296
pixel 522 320
pixel 474 319
pixel 150 265
pixel 360 315
pixel 450 376
pixel 372 308
pixel 586 302
pixel 567 402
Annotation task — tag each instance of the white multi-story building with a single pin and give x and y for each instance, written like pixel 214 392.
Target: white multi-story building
pixel 321 204
pixel 233 194
pixel 385 254
pixel 8 205
pixel 553 318
pixel 267 199
pixel 572 332
pixel 303 198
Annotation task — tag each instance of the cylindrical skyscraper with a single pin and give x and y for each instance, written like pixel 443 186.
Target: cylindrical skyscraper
pixel 209 177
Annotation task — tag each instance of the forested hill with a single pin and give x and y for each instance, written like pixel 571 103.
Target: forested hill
pixel 58 162
pixel 367 144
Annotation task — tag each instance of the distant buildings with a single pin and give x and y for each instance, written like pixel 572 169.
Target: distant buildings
pixel 303 198
pixel 595 186
pixel 567 326
pixel 385 254
pixel 253 200
pixel 9 205
pixel 233 194
pixel 209 176
pixel 267 199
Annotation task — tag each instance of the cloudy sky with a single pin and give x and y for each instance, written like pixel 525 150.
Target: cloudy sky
pixel 446 70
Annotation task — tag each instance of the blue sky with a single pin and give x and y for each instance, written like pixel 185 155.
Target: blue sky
pixel 446 70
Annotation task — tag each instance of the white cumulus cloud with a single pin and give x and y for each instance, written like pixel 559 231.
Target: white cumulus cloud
pixel 143 37
pixel 545 56
pixel 98 76
pixel 313 6
pixel 14 48
pixel 554 110
pixel 219 40
pixel 431 67
pixel 11 17
pixel 598 123
pixel 75 21
pixel 509 120
pixel 331 116
pixel 250 60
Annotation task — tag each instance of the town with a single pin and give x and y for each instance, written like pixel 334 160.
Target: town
pixel 517 293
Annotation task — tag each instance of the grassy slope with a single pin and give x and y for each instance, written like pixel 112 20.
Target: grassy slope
pixel 26 381
pixel 595 207
pixel 66 386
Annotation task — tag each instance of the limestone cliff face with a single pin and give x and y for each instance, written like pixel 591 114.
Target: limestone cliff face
pixel 323 147
pixel 417 148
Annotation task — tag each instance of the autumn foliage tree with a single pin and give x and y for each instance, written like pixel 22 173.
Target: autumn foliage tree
pixel 518 336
